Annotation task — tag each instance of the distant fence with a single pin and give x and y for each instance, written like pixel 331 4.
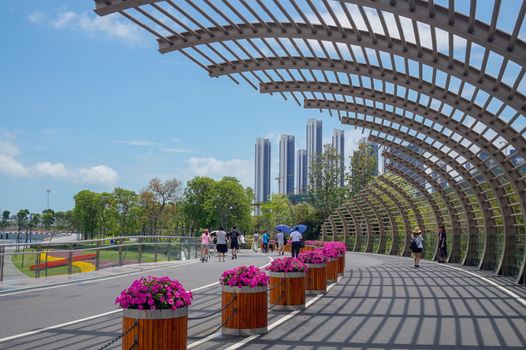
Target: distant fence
pixel 44 259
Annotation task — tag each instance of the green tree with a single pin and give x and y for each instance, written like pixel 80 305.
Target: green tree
pixel 48 218
pixel 277 210
pixel 106 214
pixel 64 220
pixel 160 195
pixel 325 193
pixel 229 205
pixel 197 193
pixel 363 168
pixel 127 208
pixel 5 219
pixel 21 219
pixel 85 213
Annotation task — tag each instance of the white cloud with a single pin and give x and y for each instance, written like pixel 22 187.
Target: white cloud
pixel 216 168
pixel 137 142
pixel 98 175
pixel 52 169
pixel 36 17
pixel 9 165
pixel 112 26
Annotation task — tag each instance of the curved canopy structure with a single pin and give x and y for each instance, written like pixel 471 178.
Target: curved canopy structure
pixel 439 84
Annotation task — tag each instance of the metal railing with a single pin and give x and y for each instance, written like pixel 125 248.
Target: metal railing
pixel 46 258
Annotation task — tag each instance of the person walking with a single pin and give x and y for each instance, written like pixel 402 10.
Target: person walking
pixel 280 238
pixel 255 241
pixel 295 237
pixel 234 241
pixel 417 245
pixel 221 246
pixel 265 240
pixel 442 244
pixel 205 240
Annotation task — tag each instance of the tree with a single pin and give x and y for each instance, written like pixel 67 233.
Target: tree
pixel 363 168
pixel 229 205
pixel 197 193
pixel 155 198
pixel 277 210
pixel 325 193
pixel 21 218
pixel 106 213
pixel 48 218
pixel 5 219
pixel 127 208
pixel 85 214
pixel 64 220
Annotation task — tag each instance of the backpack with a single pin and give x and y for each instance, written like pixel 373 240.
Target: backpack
pixel 413 246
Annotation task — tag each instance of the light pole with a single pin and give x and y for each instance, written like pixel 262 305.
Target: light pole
pixel 48 192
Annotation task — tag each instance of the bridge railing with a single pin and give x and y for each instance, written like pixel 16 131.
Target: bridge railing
pixel 45 259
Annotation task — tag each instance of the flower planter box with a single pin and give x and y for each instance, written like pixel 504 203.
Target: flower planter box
pixel 316 279
pixel 332 270
pixel 287 290
pixel 156 329
pixel 247 314
pixel 287 247
pixel 340 265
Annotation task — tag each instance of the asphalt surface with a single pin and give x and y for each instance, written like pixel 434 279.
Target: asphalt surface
pixel 382 302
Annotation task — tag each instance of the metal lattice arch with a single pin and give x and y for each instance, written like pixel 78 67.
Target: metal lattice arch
pixel 440 88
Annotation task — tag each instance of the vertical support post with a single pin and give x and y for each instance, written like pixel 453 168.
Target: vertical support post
pixel 97 256
pixel 38 260
pixel 70 259
pixel 139 251
pixel 155 246
pixel 121 241
pixel 2 252
pixel 46 262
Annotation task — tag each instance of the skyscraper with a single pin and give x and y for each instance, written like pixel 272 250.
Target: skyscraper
pixel 338 143
pixel 374 147
pixel 262 172
pixel 286 164
pixel 301 172
pixel 314 139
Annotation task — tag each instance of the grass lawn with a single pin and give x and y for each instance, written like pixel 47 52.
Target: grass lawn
pixel 30 260
pixel 106 256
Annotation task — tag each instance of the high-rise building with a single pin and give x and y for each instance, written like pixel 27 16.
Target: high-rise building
pixel 262 172
pixel 286 164
pixel 375 149
pixel 314 139
pixel 338 143
pixel 301 171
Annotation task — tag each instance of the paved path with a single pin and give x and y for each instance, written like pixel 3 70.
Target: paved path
pixel 382 302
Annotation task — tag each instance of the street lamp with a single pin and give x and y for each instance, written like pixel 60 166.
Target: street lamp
pixel 48 192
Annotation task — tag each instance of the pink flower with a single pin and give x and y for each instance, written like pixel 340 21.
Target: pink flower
pixel 287 264
pixel 242 276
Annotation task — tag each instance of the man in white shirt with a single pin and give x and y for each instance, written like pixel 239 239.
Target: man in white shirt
pixel 296 237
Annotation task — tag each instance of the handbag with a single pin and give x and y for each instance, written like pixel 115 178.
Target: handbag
pixel 412 245
pixel 302 243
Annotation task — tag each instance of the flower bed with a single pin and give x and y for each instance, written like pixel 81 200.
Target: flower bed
pixel 244 276
pixel 154 293
pixel 55 262
pixel 313 257
pixel 286 265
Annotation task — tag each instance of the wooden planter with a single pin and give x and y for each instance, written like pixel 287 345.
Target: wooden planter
pixel 316 278
pixel 247 314
pixel 287 290
pixel 340 264
pixel 287 247
pixel 332 270
pixel 156 329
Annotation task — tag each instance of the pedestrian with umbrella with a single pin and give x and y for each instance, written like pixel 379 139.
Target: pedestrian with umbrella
pixel 280 237
pixel 296 238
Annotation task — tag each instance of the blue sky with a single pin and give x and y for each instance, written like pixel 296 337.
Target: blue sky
pixel 90 104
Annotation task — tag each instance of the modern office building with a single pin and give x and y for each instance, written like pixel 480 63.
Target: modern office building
pixel 286 164
pixel 314 140
pixel 301 171
pixel 262 172
pixel 338 143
